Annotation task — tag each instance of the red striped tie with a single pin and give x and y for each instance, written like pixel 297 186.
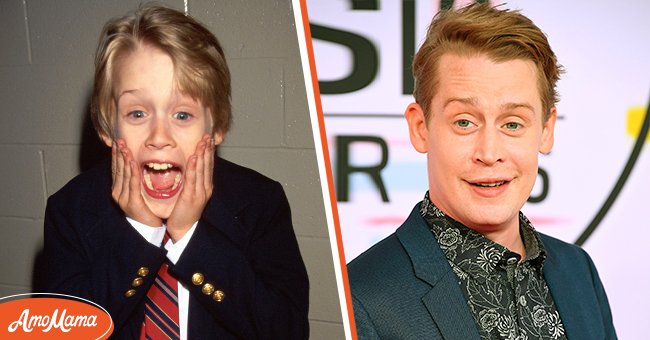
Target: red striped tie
pixel 161 306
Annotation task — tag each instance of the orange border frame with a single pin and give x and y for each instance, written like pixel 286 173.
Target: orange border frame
pixel 328 167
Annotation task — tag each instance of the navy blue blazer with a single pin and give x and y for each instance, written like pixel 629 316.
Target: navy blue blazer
pixel 244 245
pixel 404 288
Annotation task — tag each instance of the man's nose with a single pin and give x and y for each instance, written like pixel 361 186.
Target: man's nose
pixel 489 146
pixel 160 135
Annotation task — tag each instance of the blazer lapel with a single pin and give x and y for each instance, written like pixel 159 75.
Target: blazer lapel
pixel 449 310
pixel 224 208
pixel 571 295
pixel 445 301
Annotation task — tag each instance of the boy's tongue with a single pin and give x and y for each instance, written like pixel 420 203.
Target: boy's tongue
pixel 161 180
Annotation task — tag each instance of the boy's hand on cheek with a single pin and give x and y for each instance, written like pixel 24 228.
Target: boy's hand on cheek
pixel 197 190
pixel 126 186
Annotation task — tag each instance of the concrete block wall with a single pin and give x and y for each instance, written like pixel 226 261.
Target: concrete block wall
pixel 46 67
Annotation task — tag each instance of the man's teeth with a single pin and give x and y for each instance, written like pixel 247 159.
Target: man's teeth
pixel 159 166
pixel 490 185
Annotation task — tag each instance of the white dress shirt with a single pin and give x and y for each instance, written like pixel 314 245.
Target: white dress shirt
pixel 154 235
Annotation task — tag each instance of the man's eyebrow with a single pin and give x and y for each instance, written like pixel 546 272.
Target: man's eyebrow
pixel 473 101
pixel 469 101
pixel 513 106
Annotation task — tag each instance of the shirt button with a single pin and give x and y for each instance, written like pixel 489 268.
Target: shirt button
pixel 137 282
pixel 522 301
pixel 512 260
pixel 129 293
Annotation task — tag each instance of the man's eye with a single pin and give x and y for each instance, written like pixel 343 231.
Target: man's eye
pixel 512 126
pixel 137 114
pixel 464 123
pixel 182 115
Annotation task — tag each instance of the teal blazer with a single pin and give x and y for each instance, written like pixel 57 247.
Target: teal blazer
pixel 404 288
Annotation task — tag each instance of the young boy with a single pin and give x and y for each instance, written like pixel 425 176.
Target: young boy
pixel 170 239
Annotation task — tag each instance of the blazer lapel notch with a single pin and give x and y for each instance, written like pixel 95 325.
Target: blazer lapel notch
pixel 445 301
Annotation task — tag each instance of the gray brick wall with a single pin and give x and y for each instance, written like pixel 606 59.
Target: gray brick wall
pixel 46 65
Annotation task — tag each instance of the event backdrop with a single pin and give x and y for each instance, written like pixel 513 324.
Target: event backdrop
pixel 592 189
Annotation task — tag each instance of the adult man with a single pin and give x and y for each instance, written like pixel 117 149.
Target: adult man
pixel 467 264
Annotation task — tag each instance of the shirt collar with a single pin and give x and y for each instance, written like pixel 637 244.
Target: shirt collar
pixel 471 251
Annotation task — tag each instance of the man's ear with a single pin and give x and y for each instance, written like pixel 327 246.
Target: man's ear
pixel 418 130
pixel 548 133
pixel 108 140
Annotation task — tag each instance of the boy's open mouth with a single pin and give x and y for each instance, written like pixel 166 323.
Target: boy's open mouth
pixel 161 180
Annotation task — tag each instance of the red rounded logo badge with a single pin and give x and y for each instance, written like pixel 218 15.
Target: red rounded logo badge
pixel 52 316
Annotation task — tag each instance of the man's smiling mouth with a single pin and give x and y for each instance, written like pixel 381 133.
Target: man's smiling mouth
pixel 489 185
pixel 161 179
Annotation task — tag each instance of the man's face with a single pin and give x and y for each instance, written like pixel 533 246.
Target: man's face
pixel 482 139
pixel 160 125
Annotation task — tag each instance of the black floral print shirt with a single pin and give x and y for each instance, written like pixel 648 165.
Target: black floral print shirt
pixel 507 299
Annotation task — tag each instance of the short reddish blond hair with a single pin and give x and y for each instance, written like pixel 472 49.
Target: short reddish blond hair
pixel 502 35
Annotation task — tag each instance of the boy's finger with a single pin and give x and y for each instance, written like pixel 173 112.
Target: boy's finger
pixel 134 181
pixel 190 177
pixel 200 160
pixel 126 178
pixel 115 190
pixel 113 161
pixel 119 171
pixel 208 165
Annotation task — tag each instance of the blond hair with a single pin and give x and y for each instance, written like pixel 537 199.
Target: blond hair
pixel 502 35
pixel 199 63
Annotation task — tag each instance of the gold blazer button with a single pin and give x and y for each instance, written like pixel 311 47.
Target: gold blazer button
pixel 143 271
pixel 207 289
pixel 197 279
pixel 218 295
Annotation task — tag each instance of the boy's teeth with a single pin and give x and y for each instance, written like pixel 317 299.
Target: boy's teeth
pixel 147 181
pixel 159 166
pixel 176 181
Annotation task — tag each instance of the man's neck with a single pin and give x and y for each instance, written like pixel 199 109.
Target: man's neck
pixel 507 234
pixel 509 237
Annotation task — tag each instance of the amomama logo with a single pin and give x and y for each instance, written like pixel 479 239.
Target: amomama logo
pixel 52 316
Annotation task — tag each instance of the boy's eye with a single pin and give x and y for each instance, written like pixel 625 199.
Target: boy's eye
pixel 137 114
pixel 182 115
